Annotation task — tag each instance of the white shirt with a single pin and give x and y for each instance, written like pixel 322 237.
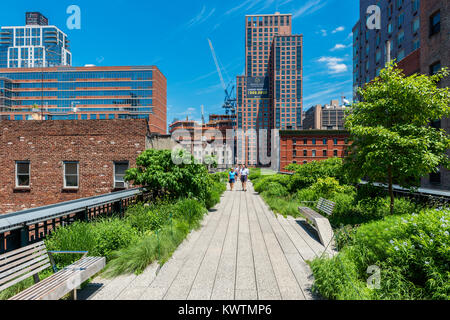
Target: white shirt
pixel 244 172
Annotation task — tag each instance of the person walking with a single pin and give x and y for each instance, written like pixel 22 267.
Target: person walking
pixel 232 178
pixel 244 177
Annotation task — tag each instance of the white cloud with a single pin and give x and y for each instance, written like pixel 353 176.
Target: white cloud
pixel 334 64
pixel 338 29
pixel 339 46
pixel 324 32
pixel 310 7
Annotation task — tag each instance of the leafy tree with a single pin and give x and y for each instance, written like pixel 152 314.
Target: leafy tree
pixel 392 139
pixel 156 170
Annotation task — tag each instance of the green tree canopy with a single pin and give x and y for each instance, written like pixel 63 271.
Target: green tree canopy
pixel 392 139
pixel 156 170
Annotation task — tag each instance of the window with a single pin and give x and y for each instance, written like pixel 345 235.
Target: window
pixel 416 25
pixel 416 44
pixel 71 180
pixel 335 141
pixel 435 23
pixel 435 178
pixel 314 153
pixel 294 141
pixel 415 5
pixel 400 37
pixel 435 67
pixel 401 55
pixel 335 153
pixel 119 174
pixel 325 141
pixel 314 141
pixel 22 174
pixel 325 153
pixel 305 153
pixel 294 153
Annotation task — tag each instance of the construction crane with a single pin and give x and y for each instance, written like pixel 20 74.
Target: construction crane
pixel 230 102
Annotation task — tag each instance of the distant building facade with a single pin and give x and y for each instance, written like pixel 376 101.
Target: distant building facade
pixel 435 54
pixel 418 31
pixel 82 93
pixel 400 24
pixel 304 146
pixel 34 45
pixel 327 117
pixel 47 162
pixel 208 140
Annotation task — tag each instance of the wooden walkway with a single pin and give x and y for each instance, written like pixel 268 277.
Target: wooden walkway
pixel 242 252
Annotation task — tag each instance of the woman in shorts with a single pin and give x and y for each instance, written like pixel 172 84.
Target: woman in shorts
pixel 232 178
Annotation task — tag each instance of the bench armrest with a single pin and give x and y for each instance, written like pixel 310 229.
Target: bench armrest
pixel 52 261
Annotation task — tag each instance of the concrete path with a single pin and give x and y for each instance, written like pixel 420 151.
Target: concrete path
pixel 242 252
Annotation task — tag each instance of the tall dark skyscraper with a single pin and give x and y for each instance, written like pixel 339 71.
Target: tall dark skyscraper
pixel 269 95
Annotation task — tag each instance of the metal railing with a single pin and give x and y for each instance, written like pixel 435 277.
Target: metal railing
pixel 26 227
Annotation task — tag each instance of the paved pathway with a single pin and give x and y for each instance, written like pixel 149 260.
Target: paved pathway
pixel 242 252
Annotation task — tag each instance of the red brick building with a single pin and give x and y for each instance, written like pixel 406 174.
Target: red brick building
pixel 47 162
pixel 303 146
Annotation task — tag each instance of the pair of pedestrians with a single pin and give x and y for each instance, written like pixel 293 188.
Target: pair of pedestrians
pixel 237 173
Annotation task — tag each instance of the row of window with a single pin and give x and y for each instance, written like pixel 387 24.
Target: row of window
pixel 70 174
pixel 314 141
pixel 314 153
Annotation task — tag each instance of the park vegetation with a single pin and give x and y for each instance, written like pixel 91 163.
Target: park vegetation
pixel 393 143
pixel 148 232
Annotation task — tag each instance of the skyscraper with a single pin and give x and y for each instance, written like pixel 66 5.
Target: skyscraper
pixel 36 44
pixel 269 95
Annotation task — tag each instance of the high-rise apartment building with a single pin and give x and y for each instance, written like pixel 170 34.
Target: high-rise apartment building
pixel 269 95
pixel 400 24
pixel 36 44
pixel 85 93
pixel 418 31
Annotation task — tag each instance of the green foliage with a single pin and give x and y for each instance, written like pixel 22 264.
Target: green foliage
pixel 255 174
pixel 413 252
pixel 100 238
pixel 157 170
pixel 307 174
pixel 264 182
pixel 392 139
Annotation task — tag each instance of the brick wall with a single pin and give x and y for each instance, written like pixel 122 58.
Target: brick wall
pixel 294 140
pixel 95 144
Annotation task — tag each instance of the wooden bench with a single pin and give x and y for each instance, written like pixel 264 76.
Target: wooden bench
pixel 320 222
pixel 20 264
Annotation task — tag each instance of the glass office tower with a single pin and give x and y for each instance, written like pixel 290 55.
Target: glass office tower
pixel 83 93
pixel 34 45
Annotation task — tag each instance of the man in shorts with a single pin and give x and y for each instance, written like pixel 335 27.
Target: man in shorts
pixel 244 177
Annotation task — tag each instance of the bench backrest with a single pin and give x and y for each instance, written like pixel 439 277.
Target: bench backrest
pixel 326 206
pixel 20 264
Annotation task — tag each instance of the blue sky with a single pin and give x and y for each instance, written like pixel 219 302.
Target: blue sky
pixel 173 36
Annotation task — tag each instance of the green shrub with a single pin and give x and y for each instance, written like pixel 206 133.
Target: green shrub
pixel 263 183
pixel 281 205
pixel 100 238
pixel 274 189
pixel 255 174
pixel 189 210
pixel 413 252
pixel 111 235
pixel 157 171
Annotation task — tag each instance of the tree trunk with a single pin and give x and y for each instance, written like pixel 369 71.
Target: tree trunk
pixel 391 189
